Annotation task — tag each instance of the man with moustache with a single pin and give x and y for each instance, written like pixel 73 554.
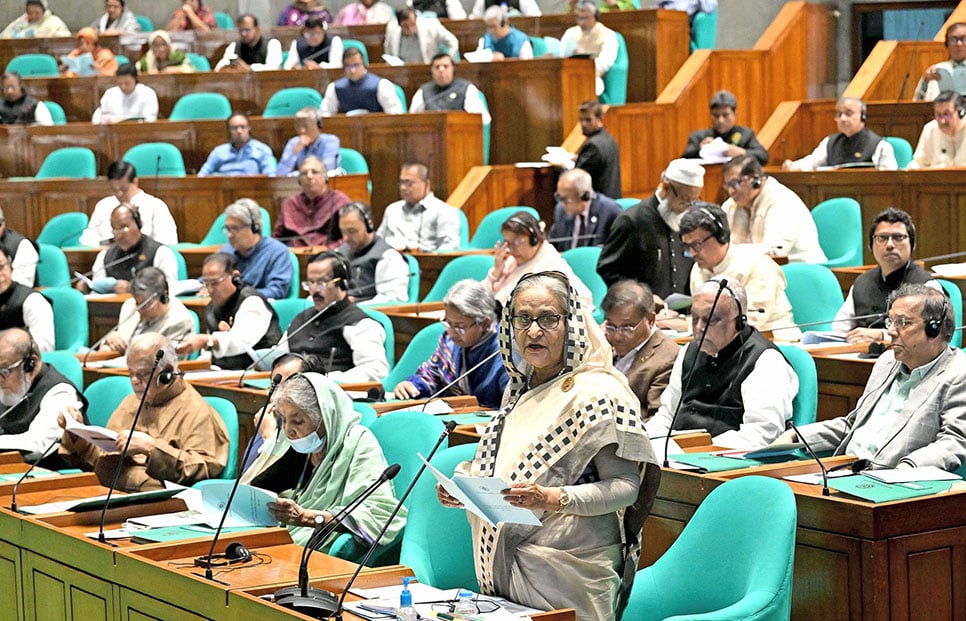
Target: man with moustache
pixel 942 143
pixel 310 218
pixel 741 140
pixel 380 275
pixel 854 144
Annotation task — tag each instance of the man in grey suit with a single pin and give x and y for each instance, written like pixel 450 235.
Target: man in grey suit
pixel 913 410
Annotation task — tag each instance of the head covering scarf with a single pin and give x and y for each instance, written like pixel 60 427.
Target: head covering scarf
pixel 88 34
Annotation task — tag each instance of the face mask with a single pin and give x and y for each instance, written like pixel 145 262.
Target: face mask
pixel 309 444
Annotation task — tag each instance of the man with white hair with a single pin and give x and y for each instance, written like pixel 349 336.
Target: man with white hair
pixel 263 261
pixel 591 37
pixel 644 244
pixel 503 39
pixel 853 145
pixel 581 216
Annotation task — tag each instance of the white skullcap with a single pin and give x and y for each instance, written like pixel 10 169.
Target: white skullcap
pixel 685 172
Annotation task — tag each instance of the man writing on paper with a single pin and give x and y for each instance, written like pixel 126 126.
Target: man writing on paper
pixel 913 410
pixel 178 438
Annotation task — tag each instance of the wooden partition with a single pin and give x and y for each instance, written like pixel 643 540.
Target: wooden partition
pixel 451 143
pixel 487 188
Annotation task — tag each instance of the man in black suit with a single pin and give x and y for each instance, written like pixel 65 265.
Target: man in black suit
pixel 599 154
pixel 581 217
pixel 740 139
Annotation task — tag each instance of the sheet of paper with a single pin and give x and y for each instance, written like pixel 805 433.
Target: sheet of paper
pixel 908 475
pixel 714 152
pixel 479 56
pixel 101 437
pixel 179 518
pixel 658 445
pixel 249 507
pixel 815 478
pixel 435 407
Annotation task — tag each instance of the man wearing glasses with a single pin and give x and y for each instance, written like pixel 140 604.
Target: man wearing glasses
pixel 350 344
pixel 242 154
pixel 912 412
pixel 854 146
pixel 581 216
pixel 764 213
pixel 892 238
pixel 644 244
pixel 641 352
pixel 942 142
pixel 419 220
pixel 264 262
pixel 359 89
pixel 310 218
pixel 238 319
pixel 949 75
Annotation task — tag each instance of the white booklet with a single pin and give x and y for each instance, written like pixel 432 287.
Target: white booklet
pixel 249 507
pixel 101 437
pixel 483 497
pixel 908 475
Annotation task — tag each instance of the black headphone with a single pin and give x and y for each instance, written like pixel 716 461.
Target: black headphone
pixel 756 182
pixel 29 363
pixel 534 235
pixel 340 267
pixel 235 552
pixel 863 115
pixel 310 362
pixel 934 326
pixel 255 213
pixel 719 229
pixel 167 376
pixel 363 213
pixel 741 321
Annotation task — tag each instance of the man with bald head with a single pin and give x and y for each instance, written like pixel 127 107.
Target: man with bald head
pixel 854 145
pixel 581 217
pixel 35 393
pixel 178 437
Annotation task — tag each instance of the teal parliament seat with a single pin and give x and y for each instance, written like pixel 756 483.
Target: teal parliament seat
pixel 840 233
pixel 814 293
pixel 417 352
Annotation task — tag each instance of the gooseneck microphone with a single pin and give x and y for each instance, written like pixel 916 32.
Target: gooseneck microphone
pixel 791 424
pixel 205 561
pixel 4 414
pixel 375 285
pixel 120 462
pixel 43 456
pixel 116 326
pixel 283 341
pixel 722 285
pixel 459 378
pixel 90 273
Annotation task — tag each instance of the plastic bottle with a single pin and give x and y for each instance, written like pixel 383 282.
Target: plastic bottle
pixel 465 605
pixel 406 611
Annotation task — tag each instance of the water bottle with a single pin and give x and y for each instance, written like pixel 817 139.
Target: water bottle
pixel 465 605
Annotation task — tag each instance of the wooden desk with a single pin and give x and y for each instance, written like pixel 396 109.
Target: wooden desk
pixel 432 263
pixel 408 319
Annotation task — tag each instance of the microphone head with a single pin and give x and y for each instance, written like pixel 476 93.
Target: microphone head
pixel 276 379
pixel 390 473
pixel 450 426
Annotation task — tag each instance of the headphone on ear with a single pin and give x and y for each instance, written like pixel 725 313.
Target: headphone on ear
pixel 256 216
pixel 167 376
pixel 934 326
pixel 340 267
pixel 29 363
pixel 533 235
pixel 960 105
pixel 756 182
pixel 741 321
pixel 719 230
pixel 364 214
pixel 863 115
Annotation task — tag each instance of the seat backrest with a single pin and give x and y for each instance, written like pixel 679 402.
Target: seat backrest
pixel 68 365
pixel 70 317
pixel 840 234
pixel 704 30
pixel 488 232
pixel 805 404
pixel 353 162
pixel 401 94
pixel 753 557
pixel 182 265
pixel 902 150
pixel 70 162
pixel 417 352
pixel 486 128
pixel 359 45
pixel 402 435
pixel 103 397
pixel 226 409
pixel 57 114
pixel 366 412
pixel 156 159
pixel 437 543
pixel 224 20
pixel 294 286
pixel 814 293
pixel 288 101
pixel 63 230
pixel 34 65
pixel 386 324
pixel 464 229
pixel 583 261
pixel 956 301
pixel 145 23
pixel 216 235
pixel 615 80
pixel 199 61
pixel 627 203
pixel 200 106
pixel 52 268
pixel 288 308
pixel 473 266
pixel 539 46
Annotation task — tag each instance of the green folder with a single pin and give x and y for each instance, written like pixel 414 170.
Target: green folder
pixel 713 463
pixel 875 491
pixel 178 533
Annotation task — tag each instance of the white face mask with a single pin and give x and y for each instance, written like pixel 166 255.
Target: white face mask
pixel 309 444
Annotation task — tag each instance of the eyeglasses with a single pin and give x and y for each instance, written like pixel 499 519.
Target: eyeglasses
pixel 513 244
pixel 687 202
pixel 734 183
pixel 955 40
pixel 566 199
pixel 6 371
pixel 211 283
pixel 900 323
pixel 238 128
pixel 625 331
pixel 897 238
pixel 120 229
pixel 233 229
pixel 695 247
pixel 548 321
pixel 321 285
pixel 461 330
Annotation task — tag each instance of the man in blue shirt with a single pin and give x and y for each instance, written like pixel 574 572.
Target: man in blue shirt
pixel 505 40
pixel 309 140
pixel 263 262
pixel 242 154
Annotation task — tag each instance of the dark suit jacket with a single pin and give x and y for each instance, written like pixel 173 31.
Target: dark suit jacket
pixel 603 211
pixel 600 157
pixel 739 135
pixel 651 371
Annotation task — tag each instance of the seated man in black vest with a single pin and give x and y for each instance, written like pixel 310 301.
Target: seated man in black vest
pixel 359 89
pixel 35 394
pixel 238 319
pixel 22 252
pixel 380 275
pixel 350 345
pixel 447 92
pixel 129 252
pixel 19 106
pixel 252 51
pixel 741 140
pixel 738 387
pixel 22 307
pixel 892 238
pixel 854 145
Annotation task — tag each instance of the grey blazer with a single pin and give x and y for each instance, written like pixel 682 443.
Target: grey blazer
pixel 929 431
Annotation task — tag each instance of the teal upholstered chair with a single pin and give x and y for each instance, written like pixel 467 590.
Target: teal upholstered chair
pixel 583 261
pixel 437 543
pixel 68 365
pixel 488 232
pixel 902 149
pixel 615 80
pixel 386 324
pixel 294 286
pixel 956 301
pixel 121 59
pixel 63 230
pixel 413 287
pixel 103 397
pixel 199 61
pixel 57 113
pixel 539 46
pixel 743 537
pixel 417 352
pixel 354 163
pixel 288 101
pixel 805 404
pixel 226 409
pixel 287 310
pixel 486 130
pixel 627 203
pixel 34 65
pixel 216 235
pixel 359 45
pixel 71 162
pixel 402 97
pixel 200 106
pixel 147 26
pixel 52 269
pixel 156 159
pixel 366 412
pixel 473 266
pixel 814 292
pixel 840 233
pixel 224 20
pixel 704 30
pixel 182 265
pixel 70 317
pixel 464 229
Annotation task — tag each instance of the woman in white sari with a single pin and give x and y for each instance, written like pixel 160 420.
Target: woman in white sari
pixel 570 441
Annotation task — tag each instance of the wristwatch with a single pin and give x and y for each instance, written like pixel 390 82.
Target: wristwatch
pixel 564 500
pixel 319 519
pixel 211 343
